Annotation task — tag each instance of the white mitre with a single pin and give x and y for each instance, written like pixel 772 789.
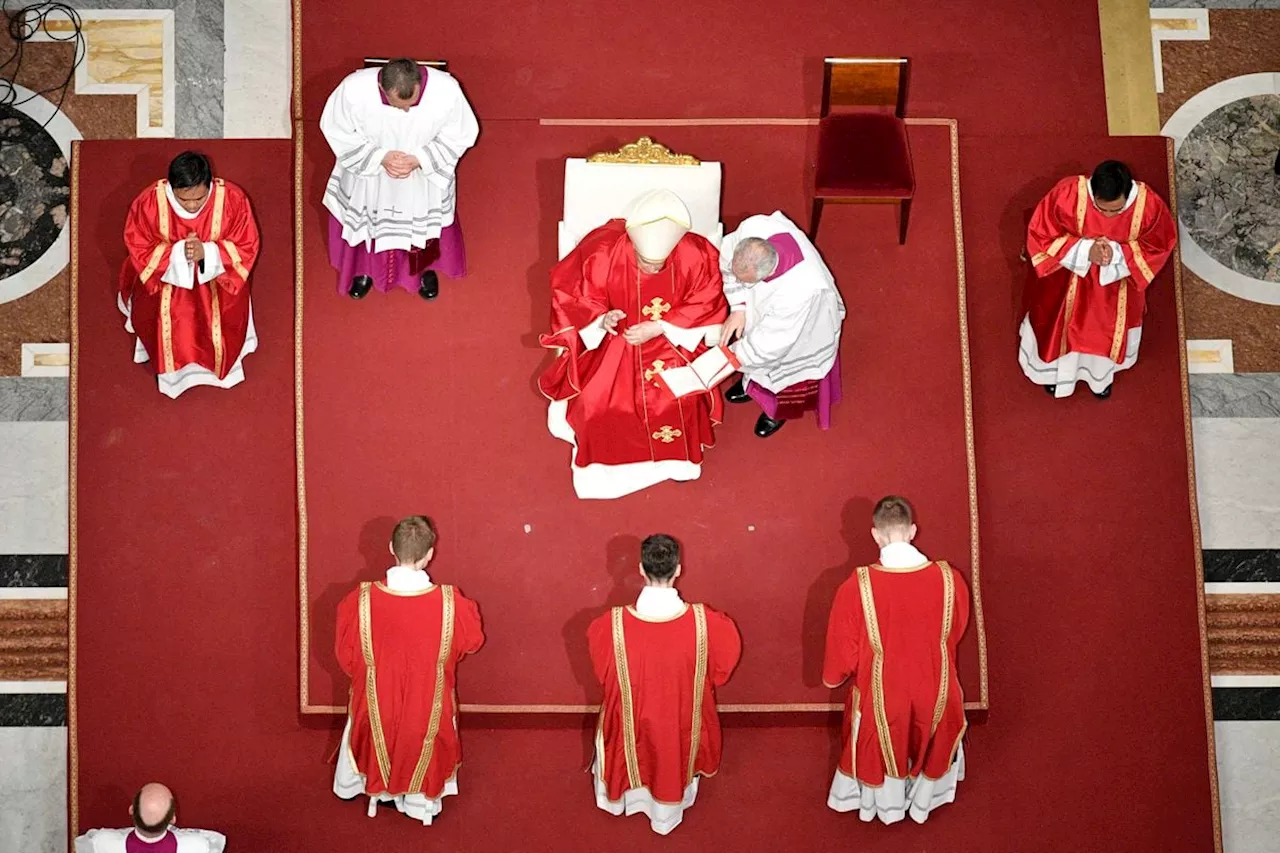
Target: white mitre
pixel 656 221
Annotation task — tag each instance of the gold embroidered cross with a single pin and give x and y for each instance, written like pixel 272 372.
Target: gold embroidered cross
pixel 657 368
pixel 655 309
pixel 667 435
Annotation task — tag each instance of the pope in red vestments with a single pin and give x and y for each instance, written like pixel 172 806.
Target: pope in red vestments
pixel 659 663
pixel 184 289
pixel 635 297
pixel 894 630
pixel 400 641
pixel 1095 245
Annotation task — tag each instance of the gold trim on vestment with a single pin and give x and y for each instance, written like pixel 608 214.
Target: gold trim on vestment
pixel 236 263
pixel 948 614
pixel 1040 257
pixel 877 671
pixel 166 328
pixel 1122 312
pixel 699 685
pixel 162 211
pixel 437 699
pixel 1139 209
pixel 1082 202
pixel 219 202
pixel 215 327
pixel 371 686
pixel 156 254
pixel 644 151
pixel 624 689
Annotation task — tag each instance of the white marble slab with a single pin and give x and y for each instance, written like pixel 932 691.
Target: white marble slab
pixel 1238 481
pixel 1210 356
pixel 1248 779
pixel 33 488
pixel 257 66
pixel 33 789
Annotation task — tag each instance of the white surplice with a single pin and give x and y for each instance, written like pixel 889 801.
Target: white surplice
pixel 187 275
pixel 114 840
pixel 348 782
pixel 373 207
pixel 896 798
pixel 658 604
pixel 793 321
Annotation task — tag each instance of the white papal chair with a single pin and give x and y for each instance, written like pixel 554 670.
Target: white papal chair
pixel 601 187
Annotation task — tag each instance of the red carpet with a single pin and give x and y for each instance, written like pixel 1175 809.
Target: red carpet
pixel 429 408
pixel 187 668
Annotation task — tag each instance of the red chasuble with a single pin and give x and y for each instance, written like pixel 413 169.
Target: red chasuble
pixel 207 324
pixel 658 726
pixel 895 633
pixel 619 410
pixel 401 650
pixel 1069 313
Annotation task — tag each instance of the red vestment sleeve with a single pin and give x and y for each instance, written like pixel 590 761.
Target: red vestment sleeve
pixel 148 250
pixel 724 645
pixel 843 630
pixel 702 302
pixel 600 646
pixel 468 632
pixel 347 643
pixel 1052 231
pixel 1157 235
pixel 238 241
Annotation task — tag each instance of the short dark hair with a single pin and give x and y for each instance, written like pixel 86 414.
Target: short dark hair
pixel 152 828
pixel 400 76
pixel 892 513
pixel 413 539
pixel 190 169
pixel 1111 180
pixel 660 556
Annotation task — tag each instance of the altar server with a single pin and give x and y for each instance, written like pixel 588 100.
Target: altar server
pixel 184 288
pixel 155 814
pixel 398 133
pixel 894 630
pixel 784 304
pixel 1096 244
pixel 659 662
pixel 400 641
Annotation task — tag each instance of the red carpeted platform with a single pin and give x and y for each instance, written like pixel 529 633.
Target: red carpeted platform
pixel 430 408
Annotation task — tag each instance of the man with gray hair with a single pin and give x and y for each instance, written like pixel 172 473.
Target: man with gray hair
pixel 785 312
pixel 154 812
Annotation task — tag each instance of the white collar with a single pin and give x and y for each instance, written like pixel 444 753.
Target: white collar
pixel 901 555
pixel 182 212
pixel 407 579
pixel 1133 195
pixel 659 602
pixel 155 840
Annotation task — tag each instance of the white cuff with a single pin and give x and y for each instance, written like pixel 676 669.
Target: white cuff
pixel 1077 258
pixel 179 272
pixel 1115 270
pixel 593 333
pixel 686 338
pixel 212 264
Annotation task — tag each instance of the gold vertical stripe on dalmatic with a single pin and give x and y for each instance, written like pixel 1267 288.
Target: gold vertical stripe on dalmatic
pixel 437 700
pixel 1122 313
pixel 215 327
pixel 166 328
pixel 154 261
pixel 236 262
pixel 948 614
pixel 877 671
pixel 1082 203
pixel 624 690
pixel 162 211
pixel 371 685
pixel 699 685
pixel 219 201
pixel 1135 229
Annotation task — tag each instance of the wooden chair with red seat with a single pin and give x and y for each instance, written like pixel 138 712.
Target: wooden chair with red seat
pixel 863 154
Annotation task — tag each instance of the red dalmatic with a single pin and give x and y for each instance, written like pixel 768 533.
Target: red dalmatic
pixel 658 725
pixel 205 325
pixel 895 632
pixel 401 650
pixel 1071 313
pixel 619 410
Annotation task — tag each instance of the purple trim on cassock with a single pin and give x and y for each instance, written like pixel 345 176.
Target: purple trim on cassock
pixel 828 395
pixel 134 844
pixel 397 267
pixel 789 254
pixel 422 69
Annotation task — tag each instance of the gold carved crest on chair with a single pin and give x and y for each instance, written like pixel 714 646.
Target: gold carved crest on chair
pixel 644 151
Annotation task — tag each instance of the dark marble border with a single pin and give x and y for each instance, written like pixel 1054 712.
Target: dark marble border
pixel 1246 703
pixel 33 709
pixel 33 398
pixel 33 570
pixel 1235 395
pixel 1215 4
pixel 1242 565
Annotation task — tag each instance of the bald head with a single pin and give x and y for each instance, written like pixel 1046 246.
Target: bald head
pixel 753 260
pixel 153 809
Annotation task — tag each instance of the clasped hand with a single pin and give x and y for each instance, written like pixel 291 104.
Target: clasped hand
pixel 399 164
pixel 194 248
pixel 1100 253
pixel 636 334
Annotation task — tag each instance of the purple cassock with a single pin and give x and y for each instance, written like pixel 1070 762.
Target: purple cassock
pixel 397 267
pixel 166 844
pixel 794 401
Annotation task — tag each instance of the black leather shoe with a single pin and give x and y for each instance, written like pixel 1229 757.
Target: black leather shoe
pixel 1051 390
pixel 430 287
pixel 767 426
pixel 1105 395
pixel 736 393
pixel 360 286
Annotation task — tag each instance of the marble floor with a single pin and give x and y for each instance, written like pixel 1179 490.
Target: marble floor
pixel 221 68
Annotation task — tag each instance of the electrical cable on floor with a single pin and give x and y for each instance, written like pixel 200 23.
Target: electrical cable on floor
pixel 24 23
